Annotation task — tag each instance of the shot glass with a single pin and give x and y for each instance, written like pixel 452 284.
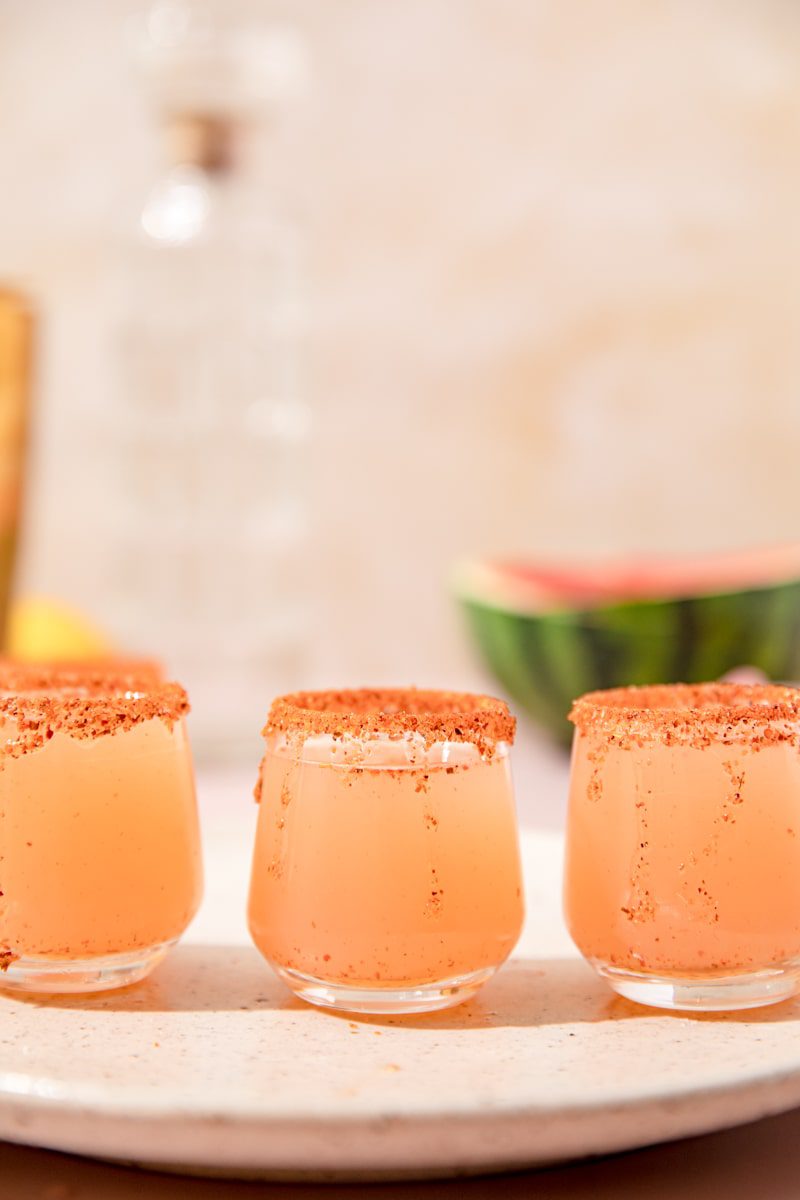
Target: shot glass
pixel 682 884
pixel 386 874
pixel 100 868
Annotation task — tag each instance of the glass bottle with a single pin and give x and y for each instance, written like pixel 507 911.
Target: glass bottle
pixel 211 534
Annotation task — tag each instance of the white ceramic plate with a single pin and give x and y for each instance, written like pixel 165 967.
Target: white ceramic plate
pixel 212 1067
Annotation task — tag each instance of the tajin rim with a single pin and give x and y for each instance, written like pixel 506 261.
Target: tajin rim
pixel 124 672
pixel 83 701
pixel 712 711
pixel 435 715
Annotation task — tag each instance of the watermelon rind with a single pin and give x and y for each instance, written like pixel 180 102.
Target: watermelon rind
pixel 544 660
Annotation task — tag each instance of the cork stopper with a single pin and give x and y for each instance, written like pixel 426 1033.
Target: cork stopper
pixel 203 140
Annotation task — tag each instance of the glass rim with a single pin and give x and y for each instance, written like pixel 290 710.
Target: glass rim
pixel 117 671
pixel 84 700
pixel 432 714
pixel 705 712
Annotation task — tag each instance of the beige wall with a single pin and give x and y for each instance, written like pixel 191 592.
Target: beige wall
pixel 556 266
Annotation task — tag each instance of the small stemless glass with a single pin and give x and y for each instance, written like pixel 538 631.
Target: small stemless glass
pixel 682 883
pixel 386 874
pixel 100 868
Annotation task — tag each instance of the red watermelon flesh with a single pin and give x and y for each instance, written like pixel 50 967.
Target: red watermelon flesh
pixel 563 583
pixel 550 631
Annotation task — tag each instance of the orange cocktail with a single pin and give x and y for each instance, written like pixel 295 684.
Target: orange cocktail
pixel 99 845
pixel 683 843
pixel 386 873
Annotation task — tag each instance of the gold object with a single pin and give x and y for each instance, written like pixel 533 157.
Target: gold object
pixel 16 354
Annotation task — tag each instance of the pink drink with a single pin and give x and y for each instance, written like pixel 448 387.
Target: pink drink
pixel 683 843
pixel 99 846
pixel 386 871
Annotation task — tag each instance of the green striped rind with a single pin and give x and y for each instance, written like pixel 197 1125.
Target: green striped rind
pixel 545 660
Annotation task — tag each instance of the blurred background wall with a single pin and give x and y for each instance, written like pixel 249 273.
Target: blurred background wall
pixel 554 258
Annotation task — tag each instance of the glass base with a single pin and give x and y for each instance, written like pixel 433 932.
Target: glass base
pixel 57 976
pixel 418 998
pixel 723 993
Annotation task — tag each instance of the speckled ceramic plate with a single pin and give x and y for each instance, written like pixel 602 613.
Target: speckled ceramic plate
pixel 211 1066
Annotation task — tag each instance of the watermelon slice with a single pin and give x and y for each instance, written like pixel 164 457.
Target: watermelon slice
pixel 550 631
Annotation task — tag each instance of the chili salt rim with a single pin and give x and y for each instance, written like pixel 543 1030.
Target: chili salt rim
pixel 436 716
pixel 698 713
pixel 40 700
pixel 17 675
